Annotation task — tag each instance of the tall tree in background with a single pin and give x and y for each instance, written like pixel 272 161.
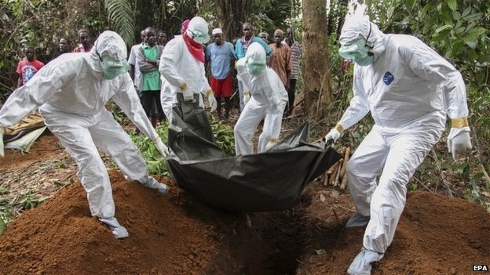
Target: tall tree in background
pixel 316 75
pixel 230 15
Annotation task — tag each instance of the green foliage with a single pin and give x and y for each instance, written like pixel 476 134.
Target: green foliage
pixel 154 160
pixel 2 226
pixel 118 114
pixel 41 23
pixel 458 29
pixel 223 135
pixel 30 200
pixel 121 15
pixel 224 138
pixel 9 208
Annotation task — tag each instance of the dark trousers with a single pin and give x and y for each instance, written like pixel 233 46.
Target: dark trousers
pixel 149 100
pixel 291 97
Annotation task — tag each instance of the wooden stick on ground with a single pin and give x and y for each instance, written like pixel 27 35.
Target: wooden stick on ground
pixel 325 178
pixel 346 159
pixel 343 185
pixel 335 174
pixel 333 170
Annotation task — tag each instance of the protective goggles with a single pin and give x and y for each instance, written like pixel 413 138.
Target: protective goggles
pixel 199 37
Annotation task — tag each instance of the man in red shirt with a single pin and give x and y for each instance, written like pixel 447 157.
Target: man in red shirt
pixel 28 66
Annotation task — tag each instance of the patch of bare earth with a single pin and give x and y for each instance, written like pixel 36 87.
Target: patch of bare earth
pixel 176 234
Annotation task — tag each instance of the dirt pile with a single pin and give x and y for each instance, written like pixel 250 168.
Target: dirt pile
pixel 176 234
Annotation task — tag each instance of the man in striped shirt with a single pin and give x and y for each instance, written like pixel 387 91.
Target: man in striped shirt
pixel 296 52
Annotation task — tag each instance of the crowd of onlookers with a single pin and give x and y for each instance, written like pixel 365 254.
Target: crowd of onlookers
pixel 283 55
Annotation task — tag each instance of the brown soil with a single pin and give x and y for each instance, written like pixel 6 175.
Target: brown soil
pixel 176 234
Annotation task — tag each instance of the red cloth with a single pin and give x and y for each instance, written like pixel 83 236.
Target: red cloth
pixel 195 48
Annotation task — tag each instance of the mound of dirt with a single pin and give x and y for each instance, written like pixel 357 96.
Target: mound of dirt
pixel 176 234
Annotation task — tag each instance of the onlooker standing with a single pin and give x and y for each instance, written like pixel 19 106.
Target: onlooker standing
pixel 148 60
pixel 162 38
pixel 221 56
pixel 28 66
pixel 280 61
pixel 134 68
pixel 85 42
pixel 296 52
pixel 64 47
pixel 265 37
pixel 241 47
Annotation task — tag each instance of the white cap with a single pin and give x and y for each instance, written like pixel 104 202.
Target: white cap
pixel 217 31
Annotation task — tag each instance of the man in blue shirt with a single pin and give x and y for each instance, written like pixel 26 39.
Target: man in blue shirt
pixel 221 56
pixel 241 47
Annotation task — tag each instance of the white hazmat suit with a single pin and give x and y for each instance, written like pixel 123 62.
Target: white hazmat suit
pixel 71 92
pixel 181 71
pixel 267 100
pixel 409 90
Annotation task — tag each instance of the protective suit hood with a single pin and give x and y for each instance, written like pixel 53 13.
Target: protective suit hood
pixel 255 59
pixel 110 44
pixel 198 30
pixel 359 27
pixel 111 50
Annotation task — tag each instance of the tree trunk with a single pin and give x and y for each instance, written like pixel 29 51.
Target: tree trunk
pixel 317 89
pixel 231 16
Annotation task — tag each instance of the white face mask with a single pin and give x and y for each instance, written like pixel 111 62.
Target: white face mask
pixel 112 68
pixel 357 52
pixel 255 67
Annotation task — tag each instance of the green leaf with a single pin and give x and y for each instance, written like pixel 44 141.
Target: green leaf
pixel 445 27
pixel 466 12
pixel 2 226
pixel 320 251
pixel 452 4
pixel 472 44
pixel 121 14
pixel 473 16
pixel 456 15
pixel 389 12
pixel 410 3
pixel 485 58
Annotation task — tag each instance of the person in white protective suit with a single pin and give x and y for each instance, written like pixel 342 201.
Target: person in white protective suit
pixel 265 98
pixel 71 92
pixel 182 68
pixel 409 90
